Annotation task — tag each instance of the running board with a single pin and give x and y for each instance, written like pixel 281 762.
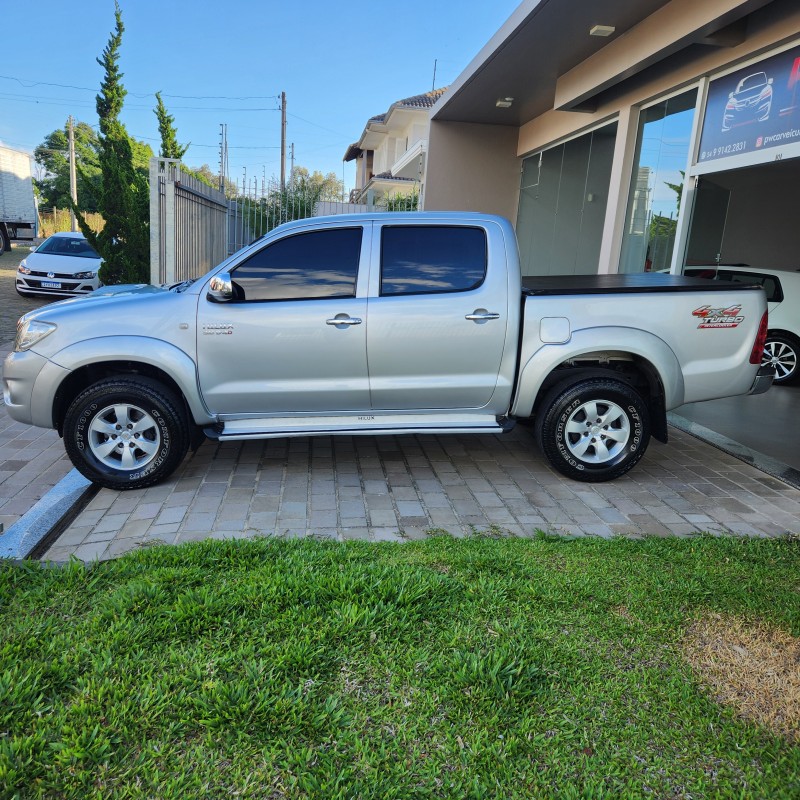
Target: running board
pixel 361 425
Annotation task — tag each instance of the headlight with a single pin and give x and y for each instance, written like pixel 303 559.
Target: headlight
pixel 84 276
pixel 23 269
pixel 29 332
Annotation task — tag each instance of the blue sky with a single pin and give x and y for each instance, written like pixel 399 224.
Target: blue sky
pixel 339 64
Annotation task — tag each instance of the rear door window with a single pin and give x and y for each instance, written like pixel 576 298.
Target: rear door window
pixel 431 259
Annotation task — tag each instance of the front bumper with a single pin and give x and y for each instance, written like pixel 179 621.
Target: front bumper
pixel 30 383
pixel 61 286
pixel 763 380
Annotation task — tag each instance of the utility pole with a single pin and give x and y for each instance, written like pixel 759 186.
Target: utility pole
pixel 283 141
pixel 291 171
pixel 73 182
pixel 223 155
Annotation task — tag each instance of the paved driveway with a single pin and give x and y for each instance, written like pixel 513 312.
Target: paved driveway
pixel 398 487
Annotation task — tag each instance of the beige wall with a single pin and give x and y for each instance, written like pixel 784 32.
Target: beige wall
pixel 472 168
pixel 765 30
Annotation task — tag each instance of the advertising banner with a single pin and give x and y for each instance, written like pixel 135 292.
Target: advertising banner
pixel 752 109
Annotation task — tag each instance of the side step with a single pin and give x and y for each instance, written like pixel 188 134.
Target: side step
pixel 361 425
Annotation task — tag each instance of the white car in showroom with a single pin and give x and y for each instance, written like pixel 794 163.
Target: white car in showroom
pixel 63 265
pixel 782 288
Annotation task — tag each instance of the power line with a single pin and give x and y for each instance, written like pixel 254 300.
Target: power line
pixel 63 101
pixel 31 84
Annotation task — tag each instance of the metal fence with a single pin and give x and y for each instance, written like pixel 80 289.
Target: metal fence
pixel 261 206
pixel 188 218
pixel 194 227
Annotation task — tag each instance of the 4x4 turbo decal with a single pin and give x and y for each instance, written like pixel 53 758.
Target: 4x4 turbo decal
pixel 729 317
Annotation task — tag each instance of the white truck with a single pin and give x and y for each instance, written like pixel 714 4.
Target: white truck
pixel 17 205
pixel 375 324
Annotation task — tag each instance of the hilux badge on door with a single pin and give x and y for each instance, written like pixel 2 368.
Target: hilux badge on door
pixel 218 329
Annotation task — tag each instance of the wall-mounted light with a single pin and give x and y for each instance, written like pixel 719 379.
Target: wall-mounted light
pixel 601 30
pixel 504 102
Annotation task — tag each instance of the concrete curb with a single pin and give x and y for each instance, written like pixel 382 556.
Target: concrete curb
pixel 49 514
pixel 758 460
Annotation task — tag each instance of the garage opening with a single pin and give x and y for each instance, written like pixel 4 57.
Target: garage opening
pixel 747 216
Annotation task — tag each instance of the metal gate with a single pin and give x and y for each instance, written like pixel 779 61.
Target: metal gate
pixel 188 224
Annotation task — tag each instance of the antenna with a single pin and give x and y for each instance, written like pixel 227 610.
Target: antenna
pixel 435 61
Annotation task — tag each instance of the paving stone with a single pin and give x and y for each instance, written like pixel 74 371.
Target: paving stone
pixel 171 514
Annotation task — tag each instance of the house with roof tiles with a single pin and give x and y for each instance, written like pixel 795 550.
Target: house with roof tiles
pixel 391 154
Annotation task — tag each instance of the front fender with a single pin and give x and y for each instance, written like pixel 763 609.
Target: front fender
pixel 542 361
pixel 137 349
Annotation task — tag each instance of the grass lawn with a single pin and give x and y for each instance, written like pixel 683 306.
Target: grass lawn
pixel 478 668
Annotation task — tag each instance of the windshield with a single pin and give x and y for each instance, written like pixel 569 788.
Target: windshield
pixel 67 246
pixel 752 81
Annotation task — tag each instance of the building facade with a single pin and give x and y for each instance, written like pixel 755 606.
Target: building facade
pixel 628 137
pixel 391 155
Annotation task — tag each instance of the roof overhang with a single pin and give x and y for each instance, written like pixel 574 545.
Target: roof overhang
pixel 545 58
pixel 352 152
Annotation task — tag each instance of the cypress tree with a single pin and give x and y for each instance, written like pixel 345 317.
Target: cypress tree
pixel 169 135
pixel 123 197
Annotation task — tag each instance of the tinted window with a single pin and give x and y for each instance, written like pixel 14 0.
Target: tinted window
pixel 771 284
pixel 67 246
pixel 304 267
pixel 427 259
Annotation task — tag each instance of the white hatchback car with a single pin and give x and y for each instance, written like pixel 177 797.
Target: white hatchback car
pixel 63 265
pixel 782 288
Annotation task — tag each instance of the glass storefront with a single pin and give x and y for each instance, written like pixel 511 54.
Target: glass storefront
pixel 662 153
pixel 562 205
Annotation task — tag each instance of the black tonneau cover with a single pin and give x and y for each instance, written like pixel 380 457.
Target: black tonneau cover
pixel 618 283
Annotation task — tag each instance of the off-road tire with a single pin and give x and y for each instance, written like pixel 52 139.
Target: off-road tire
pixel 597 448
pixel 146 448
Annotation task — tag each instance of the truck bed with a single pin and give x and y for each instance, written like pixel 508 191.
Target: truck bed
pixel 643 282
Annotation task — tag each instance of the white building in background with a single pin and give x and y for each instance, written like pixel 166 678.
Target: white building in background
pixel 391 155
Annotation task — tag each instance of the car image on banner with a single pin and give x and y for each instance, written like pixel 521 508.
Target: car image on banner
pixel 750 102
pixel 64 265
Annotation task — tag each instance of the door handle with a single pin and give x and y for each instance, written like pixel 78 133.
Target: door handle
pixel 343 320
pixel 481 315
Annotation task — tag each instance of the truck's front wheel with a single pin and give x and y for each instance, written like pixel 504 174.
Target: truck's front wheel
pixel 126 434
pixel 594 430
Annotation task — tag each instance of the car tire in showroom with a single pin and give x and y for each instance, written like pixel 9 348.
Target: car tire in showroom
pixel 125 433
pixel 594 430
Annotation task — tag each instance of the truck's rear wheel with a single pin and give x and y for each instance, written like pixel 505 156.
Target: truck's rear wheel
pixel 126 434
pixel 594 430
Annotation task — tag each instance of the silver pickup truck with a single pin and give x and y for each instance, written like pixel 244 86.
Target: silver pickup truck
pixel 384 323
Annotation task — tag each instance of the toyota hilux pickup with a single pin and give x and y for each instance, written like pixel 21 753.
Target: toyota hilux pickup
pixel 381 324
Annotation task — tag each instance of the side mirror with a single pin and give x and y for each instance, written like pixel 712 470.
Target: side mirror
pixel 33 249
pixel 769 81
pixel 220 290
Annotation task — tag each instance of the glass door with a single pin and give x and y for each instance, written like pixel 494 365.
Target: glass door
pixel 708 205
